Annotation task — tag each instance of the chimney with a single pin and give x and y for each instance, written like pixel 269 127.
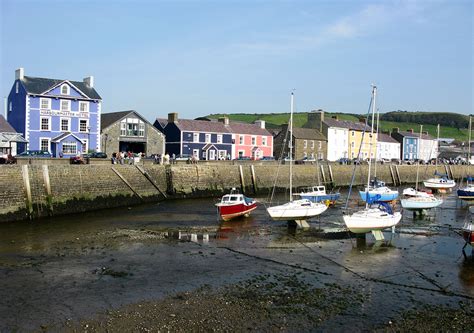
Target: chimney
pixel 424 133
pixel 260 123
pixel 362 120
pixel 315 119
pixel 20 73
pixel 335 117
pixel 173 117
pixel 395 130
pixel 410 130
pixel 89 81
pixel 224 120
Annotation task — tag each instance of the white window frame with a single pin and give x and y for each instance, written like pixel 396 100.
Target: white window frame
pixel 320 145
pixel 70 144
pixel 41 124
pixel 68 124
pixel 241 151
pixel 67 88
pixel 241 140
pixel 17 87
pixel 254 140
pixel 305 144
pixel 264 140
pixel 219 138
pixel 49 144
pixel 221 154
pixel 312 144
pixel 123 128
pixel 208 138
pixel 353 133
pixel 196 153
pixel 48 100
pixel 61 104
pixel 195 137
pixel 204 155
pixel 141 129
pixel 87 125
pixel 84 103
pixel 85 146
pixel 10 108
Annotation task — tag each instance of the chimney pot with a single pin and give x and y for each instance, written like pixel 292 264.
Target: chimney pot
pixel 172 117
pixel 20 73
pixel 89 81
pixel 224 120
pixel 335 117
pixel 395 129
pixel 260 123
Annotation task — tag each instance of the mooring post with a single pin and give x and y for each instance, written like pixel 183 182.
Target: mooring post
pixel 254 179
pixel 398 175
pixel 393 175
pixel 331 176
pixel 47 185
pixel 26 183
pixel 242 181
pixel 127 183
pixel 322 172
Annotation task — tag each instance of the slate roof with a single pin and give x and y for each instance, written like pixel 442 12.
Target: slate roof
pixel 331 122
pixel 216 126
pixel 415 135
pixel 62 136
pixel 308 133
pixel 386 138
pixel 38 85
pixel 5 127
pixel 107 119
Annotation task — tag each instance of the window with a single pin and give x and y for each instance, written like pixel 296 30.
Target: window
pixel 83 107
pixel 85 146
pixel 352 144
pixel 123 128
pixel 219 138
pixel 64 89
pixel 353 133
pixel 320 145
pixel 305 155
pixel 65 105
pixel 195 137
pixel 208 138
pixel 196 153
pixel 10 108
pixel 204 155
pixel 69 148
pixel 312 155
pixel 141 129
pixel 241 140
pixel 44 144
pixel 44 126
pixel 305 144
pixel 254 141
pixel 65 124
pixel 17 87
pixel 45 103
pixel 83 125
pixel 312 144
pixel 264 140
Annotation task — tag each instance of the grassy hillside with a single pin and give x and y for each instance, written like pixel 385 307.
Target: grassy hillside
pixel 275 120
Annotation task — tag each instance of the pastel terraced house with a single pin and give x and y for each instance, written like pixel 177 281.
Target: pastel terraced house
pixel 56 115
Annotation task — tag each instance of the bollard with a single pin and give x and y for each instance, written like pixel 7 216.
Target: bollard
pixel 194 238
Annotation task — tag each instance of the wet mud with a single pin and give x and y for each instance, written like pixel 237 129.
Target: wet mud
pixel 174 267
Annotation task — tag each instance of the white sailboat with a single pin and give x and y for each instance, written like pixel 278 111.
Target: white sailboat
pixel 295 210
pixel 439 182
pixel 372 219
pixel 418 200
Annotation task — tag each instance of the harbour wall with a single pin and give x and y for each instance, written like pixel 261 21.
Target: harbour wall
pixel 38 190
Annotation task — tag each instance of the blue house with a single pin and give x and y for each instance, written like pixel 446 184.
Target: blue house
pixel 203 139
pixel 409 145
pixel 59 116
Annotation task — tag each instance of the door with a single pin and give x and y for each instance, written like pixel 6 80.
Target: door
pixel 212 155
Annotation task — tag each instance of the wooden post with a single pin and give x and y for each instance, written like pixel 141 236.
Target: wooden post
pixel 393 176
pixel 322 172
pixel 47 185
pixel 331 176
pixel 398 175
pixel 242 181
pixel 126 183
pixel 26 183
pixel 254 179
pixel 147 176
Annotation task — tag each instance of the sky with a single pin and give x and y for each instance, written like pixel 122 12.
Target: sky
pixel 202 57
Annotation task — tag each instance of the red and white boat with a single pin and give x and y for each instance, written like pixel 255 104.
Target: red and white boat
pixel 234 205
pixel 468 233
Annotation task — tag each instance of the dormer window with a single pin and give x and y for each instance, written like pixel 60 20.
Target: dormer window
pixel 64 89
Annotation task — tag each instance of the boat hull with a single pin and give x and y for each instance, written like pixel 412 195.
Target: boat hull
pixel 465 194
pixel 438 184
pixel 383 196
pixel 228 212
pixel 468 233
pixel 371 219
pixel 420 203
pixel 293 211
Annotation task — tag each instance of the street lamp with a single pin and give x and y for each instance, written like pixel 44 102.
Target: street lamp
pixel 88 138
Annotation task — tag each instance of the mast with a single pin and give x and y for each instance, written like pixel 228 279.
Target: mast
pixel 437 143
pixel 376 150
pixel 291 146
pixel 469 143
pixel 418 165
pixel 374 93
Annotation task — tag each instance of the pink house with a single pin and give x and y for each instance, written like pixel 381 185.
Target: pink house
pixel 251 140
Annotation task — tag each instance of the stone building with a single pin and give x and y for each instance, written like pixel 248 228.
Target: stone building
pixel 129 131
pixel 307 143
pixel 9 138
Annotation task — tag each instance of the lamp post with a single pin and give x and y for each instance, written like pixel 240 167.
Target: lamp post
pixel 106 136
pixel 88 138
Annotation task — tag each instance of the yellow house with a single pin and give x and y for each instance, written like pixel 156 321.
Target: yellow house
pixel 369 143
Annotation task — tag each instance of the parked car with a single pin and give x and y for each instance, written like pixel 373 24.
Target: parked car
pixel 243 158
pixel 267 158
pixel 305 160
pixel 183 157
pixel 344 160
pixel 97 154
pixel 36 154
pixel 7 159
pixel 81 159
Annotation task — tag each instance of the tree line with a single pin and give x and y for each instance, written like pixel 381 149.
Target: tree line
pixel 443 118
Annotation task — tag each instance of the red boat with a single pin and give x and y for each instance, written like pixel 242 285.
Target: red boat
pixel 234 205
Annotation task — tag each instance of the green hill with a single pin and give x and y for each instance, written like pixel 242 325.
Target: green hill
pixel 429 120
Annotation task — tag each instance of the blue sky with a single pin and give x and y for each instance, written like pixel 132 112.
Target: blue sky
pixel 202 57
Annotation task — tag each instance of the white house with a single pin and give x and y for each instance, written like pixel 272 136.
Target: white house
pixel 428 147
pixel 387 147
